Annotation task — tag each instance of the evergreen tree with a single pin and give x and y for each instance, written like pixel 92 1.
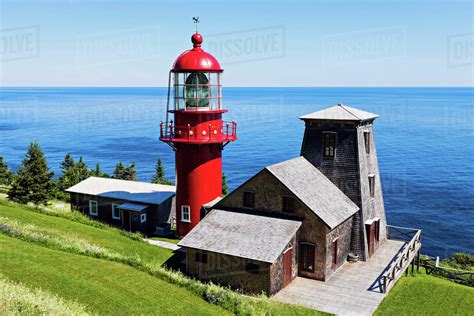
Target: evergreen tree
pixel 34 180
pixel 119 171
pixel 81 171
pixel 98 173
pixel 130 173
pixel 225 187
pixel 68 163
pixel 159 177
pixel 6 175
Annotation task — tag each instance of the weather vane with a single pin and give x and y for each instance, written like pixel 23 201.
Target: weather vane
pixel 196 21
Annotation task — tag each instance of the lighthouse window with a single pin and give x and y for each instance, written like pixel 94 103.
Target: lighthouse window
pixel 249 199
pixel 329 144
pixel 185 213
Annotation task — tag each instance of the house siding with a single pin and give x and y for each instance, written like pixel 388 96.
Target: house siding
pixel 349 171
pixel 154 213
pixel 230 271
pixel 269 193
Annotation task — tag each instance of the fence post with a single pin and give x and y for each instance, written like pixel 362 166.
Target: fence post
pixel 418 261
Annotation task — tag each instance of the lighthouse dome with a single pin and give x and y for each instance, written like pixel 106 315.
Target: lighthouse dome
pixel 196 59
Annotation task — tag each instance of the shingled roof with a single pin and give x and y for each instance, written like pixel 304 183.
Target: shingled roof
pixel 315 190
pixel 260 238
pixel 340 112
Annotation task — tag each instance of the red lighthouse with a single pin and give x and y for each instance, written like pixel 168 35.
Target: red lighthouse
pixel 198 134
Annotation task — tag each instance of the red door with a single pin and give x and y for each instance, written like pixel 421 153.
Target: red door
pixel 287 266
pixel 370 230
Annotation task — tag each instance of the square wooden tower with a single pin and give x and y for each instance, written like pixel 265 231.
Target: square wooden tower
pixel 339 141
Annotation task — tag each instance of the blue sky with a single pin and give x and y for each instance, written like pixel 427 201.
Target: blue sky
pixel 267 43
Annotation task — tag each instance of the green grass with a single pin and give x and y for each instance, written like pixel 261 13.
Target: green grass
pixel 102 286
pixel 15 298
pixel 105 237
pixel 424 294
pixel 107 271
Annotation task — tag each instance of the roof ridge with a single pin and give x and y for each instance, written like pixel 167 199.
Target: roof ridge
pixel 347 110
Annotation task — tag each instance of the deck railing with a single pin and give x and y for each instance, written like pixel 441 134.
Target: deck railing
pixel 406 255
pixel 226 131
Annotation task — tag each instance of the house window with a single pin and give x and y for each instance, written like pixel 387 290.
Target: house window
pixel 329 144
pixel 307 252
pixel 377 230
pixel 372 185
pixel 288 203
pixel 334 253
pixel 93 208
pixel 252 268
pixel 186 214
pixel 115 211
pixel 249 199
pixel 143 218
pixel 201 257
pixel 367 142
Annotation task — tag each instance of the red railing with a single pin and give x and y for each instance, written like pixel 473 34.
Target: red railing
pixel 201 133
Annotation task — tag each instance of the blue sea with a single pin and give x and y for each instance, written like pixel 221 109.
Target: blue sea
pixel 424 136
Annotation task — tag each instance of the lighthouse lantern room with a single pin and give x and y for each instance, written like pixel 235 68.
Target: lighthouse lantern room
pixel 197 134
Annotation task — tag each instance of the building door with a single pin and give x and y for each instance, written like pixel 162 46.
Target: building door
pixel 287 266
pixel 370 231
pixel 306 254
pixel 126 220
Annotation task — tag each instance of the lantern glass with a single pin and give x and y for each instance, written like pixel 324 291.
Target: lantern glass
pixel 197 90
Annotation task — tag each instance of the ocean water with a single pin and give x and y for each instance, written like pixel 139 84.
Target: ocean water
pixel 424 137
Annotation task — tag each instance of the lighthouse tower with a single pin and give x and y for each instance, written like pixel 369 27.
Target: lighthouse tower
pixel 195 130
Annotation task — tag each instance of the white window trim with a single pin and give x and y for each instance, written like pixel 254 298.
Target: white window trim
pixel 188 220
pixel 96 213
pixel 143 218
pixel 115 207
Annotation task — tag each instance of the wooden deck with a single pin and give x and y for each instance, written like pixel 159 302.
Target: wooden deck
pixel 354 289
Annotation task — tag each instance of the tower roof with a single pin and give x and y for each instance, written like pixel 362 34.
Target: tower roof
pixel 340 112
pixel 196 59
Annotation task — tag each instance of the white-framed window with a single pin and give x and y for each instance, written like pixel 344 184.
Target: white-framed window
pixel 186 213
pixel 115 211
pixel 143 218
pixel 93 208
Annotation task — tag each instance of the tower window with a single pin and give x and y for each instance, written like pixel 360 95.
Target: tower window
pixel 249 199
pixel 288 204
pixel 186 213
pixel 372 185
pixel 367 142
pixel 329 144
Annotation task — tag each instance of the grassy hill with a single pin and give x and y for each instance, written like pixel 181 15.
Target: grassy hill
pixel 81 265
pixel 424 294
pixel 61 262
